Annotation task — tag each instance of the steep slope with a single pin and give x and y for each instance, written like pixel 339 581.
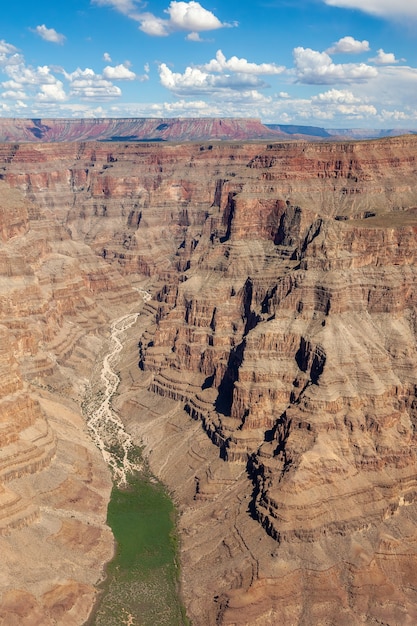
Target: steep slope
pixel 54 486
pixel 275 391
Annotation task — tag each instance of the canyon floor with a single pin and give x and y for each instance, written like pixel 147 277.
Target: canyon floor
pixel 269 372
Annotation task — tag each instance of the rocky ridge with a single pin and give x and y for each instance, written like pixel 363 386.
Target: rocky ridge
pixel 275 391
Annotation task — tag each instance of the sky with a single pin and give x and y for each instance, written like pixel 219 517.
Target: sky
pixel 327 63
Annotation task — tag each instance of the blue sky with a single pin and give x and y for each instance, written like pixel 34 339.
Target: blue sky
pixel 331 63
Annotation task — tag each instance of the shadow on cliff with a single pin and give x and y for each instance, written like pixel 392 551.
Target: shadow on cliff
pixel 224 399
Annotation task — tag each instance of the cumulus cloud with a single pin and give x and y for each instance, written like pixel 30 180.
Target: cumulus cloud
pixel 7 48
pixel 357 111
pixel 341 104
pixel 317 68
pixel 49 34
pixel 196 81
pixel 154 26
pixel 22 75
pixel 194 37
pixel 14 94
pixel 182 16
pixel 9 55
pixel 383 8
pixel 384 58
pixel 119 72
pixel 191 16
pixel 107 57
pixel 395 87
pixel 220 77
pixel 194 108
pixel 234 64
pixel 398 116
pixel 336 96
pixel 86 84
pixel 25 82
pixel 41 85
pixel 52 93
pixel 349 45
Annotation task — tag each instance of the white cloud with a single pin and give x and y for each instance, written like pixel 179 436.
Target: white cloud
pixel 197 108
pixel 234 64
pixel 395 87
pixel 336 96
pixel 195 81
pixel 86 84
pixel 154 26
pixel 396 116
pixel 384 8
pixel 7 48
pixel 119 72
pixel 14 94
pixel 9 55
pixel 107 57
pixel 52 93
pixel 182 16
pixel 22 75
pixel 349 45
pixel 26 82
pixel 41 85
pixel 384 58
pixel 317 68
pixel 191 16
pixel 49 34
pixel 354 110
pixel 194 37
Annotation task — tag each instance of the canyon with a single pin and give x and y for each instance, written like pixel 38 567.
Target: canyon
pixel 270 375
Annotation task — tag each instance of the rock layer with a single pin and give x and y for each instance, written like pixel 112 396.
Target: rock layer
pixel 271 378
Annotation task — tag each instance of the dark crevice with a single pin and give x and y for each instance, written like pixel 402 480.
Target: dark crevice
pixel 228 217
pixel 225 392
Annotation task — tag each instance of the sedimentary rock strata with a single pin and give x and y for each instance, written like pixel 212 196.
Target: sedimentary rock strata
pixel 271 377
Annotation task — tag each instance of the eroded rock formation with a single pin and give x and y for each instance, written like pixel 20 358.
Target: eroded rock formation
pixel 272 377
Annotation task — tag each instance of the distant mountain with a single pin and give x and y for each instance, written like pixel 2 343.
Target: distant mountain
pixel 18 130
pixel 369 133
pixel 292 129
pixel 315 132
pixel 135 129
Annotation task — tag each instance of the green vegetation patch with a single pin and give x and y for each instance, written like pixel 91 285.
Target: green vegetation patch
pixel 141 587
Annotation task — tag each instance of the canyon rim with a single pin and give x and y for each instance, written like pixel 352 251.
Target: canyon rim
pixel 271 377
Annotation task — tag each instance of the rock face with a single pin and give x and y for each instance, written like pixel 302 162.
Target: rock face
pixel 276 387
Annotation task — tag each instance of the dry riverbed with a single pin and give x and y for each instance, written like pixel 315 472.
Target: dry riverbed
pixel 141 583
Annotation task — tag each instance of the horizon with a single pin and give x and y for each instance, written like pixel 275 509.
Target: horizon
pixel 361 129
pixel 352 129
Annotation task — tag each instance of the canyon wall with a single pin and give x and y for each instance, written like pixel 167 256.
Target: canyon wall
pixel 272 377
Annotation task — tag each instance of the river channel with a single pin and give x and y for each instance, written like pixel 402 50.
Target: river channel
pixel 141 583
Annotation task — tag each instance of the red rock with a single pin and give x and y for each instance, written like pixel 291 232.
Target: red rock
pixel 283 322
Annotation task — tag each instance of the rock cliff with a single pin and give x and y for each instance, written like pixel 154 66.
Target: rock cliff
pixel 271 377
